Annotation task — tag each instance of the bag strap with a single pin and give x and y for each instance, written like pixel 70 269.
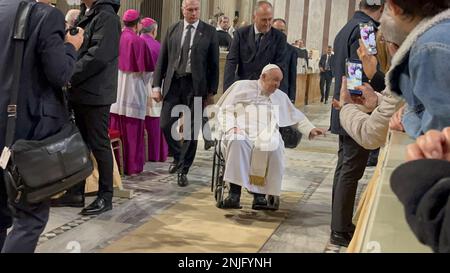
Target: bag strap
pixel 21 23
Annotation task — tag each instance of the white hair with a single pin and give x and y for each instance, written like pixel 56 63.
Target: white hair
pixel 71 16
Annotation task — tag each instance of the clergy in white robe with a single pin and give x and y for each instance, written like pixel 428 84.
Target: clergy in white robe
pixel 249 116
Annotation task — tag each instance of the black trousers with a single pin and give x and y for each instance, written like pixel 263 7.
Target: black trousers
pixel 93 122
pixel 181 95
pixel 2 238
pixel 29 223
pixel 352 162
pixel 326 78
pixel 5 213
pixel 206 130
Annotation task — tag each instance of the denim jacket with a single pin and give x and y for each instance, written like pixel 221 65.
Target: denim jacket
pixel 421 74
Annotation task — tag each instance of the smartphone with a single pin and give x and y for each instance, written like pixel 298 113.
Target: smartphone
pixel 368 37
pixel 354 75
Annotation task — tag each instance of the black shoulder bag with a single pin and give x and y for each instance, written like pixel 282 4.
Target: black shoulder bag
pixel 37 170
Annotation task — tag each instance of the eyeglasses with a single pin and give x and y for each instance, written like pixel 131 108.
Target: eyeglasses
pixel 384 41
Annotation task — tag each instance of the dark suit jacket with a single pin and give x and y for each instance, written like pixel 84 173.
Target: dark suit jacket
pixel 289 84
pixel 204 59
pixel 244 63
pixel 323 62
pixel 95 78
pixel 48 64
pixel 346 45
pixel 225 39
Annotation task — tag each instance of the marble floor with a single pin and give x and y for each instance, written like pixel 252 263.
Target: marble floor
pixel 303 229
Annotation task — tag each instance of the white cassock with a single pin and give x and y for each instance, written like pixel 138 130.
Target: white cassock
pixel 252 151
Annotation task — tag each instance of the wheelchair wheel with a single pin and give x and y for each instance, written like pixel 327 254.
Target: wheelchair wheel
pixel 219 197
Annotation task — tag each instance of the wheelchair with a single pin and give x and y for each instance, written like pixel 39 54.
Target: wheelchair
pixel 221 189
pixel 218 185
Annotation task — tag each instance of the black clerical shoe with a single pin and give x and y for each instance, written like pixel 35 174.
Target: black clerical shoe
pixel 232 202
pixel 68 200
pixel 341 238
pixel 174 167
pixel 99 206
pixel 209 144
pixel 259 203
pixel 183 180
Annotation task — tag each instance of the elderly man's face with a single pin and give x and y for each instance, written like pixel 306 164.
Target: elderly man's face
pixel 263 18
pixel 271 80
pixel 191 11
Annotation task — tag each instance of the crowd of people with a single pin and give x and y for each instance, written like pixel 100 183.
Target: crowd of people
pixel 119 78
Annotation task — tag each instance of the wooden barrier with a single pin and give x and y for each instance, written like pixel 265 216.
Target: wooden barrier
pixel 382 226
pixel 308 89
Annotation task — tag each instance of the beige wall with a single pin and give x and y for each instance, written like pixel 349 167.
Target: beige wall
pixel 295 9
pixel 316 19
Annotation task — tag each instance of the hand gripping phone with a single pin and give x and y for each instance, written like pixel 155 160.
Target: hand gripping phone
pixel 368 37
pixel 354 73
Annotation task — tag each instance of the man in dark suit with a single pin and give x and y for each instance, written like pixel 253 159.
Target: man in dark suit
pixel 189 66
pixel 222 32
pixel 41 112
pixel 93 90
pixel 254 47
pixel 326 75
pixel 289 84
pixel 352 158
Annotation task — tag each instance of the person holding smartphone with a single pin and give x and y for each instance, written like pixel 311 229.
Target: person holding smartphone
pixel 49 64
pixel 352 158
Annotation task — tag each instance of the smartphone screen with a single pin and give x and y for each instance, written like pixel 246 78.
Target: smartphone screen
pixel 369 37
pixel 354 77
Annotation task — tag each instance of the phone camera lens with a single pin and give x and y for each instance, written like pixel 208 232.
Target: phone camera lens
pixel 73 31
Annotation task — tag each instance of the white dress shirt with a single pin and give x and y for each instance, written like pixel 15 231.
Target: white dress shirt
pixel 193 31
pixel 157 89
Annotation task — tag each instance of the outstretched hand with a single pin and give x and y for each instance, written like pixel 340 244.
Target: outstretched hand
pixel 317 132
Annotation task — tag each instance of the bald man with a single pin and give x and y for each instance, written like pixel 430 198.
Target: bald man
pixel 249 115
pixel 189 66
pixel 254 47
pixel 289 84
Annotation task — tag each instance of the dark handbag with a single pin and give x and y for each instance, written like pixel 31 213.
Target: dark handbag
pixel 291 137
pixel 38 170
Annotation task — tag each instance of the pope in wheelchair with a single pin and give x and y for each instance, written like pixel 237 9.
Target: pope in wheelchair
pixel 248 118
